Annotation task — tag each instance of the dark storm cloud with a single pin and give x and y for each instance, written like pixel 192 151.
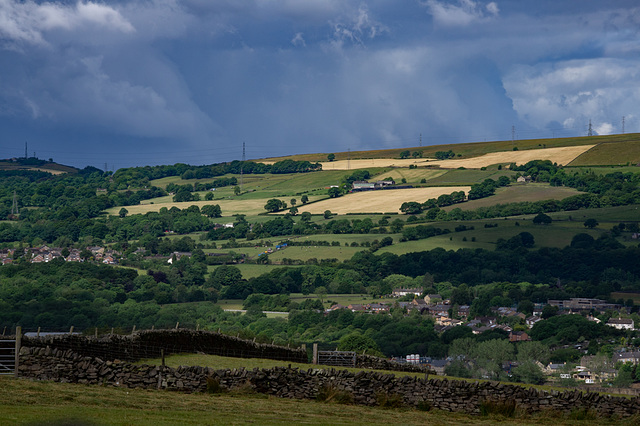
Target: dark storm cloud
pixel 161 81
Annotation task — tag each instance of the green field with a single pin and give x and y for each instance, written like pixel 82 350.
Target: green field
pixel 625 149
pixel 252 270
pixel 517 193
pixel 467 176
pixel 39 403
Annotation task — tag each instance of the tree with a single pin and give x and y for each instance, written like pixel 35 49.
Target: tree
pixel 209 196
pixel 334 192
pixel 321 292
pixel 123 212
pixel 331 157
pixel 359 343
pixel 405 154
pixel 542 219
pixel 590 223
pixel 273 205
pixel 327 214
pixel 304 199
pixel 236 190
pixel 293 201
pixel 212 210
pixel 293 210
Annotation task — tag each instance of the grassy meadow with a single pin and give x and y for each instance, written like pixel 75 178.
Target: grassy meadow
pixel 39 403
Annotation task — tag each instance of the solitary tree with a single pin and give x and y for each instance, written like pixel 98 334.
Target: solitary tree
pixel 236 190
pixel 331 157
pixel 123 212
pixel 542 219
pixel 590 223
pixel 304 199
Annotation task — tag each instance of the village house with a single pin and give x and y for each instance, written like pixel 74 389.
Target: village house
pixel 621 323
pixel 432 298
pixel 624 357
pixel 582 304
pixel 519 336
pixel 400 292
pixel 532 320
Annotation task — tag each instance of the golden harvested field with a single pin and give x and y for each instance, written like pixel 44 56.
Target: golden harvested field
pixel 563 155
pixel 411 175
pixel 229 207
pixel 381 201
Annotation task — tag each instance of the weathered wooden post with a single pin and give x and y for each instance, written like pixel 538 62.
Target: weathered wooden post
pixel 4 331
pixel 153 327
pixel 96 335
pixel 18 347
pixel 177 324
pixel 38 334
pixel 161 369
pixel 71 331
pixel 315 354
pixel 198 327
pixel 111 330
pixel 134 329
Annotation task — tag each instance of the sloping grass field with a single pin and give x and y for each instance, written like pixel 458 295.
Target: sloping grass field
pixel 40 403
pixel 612 153
pixel 518 193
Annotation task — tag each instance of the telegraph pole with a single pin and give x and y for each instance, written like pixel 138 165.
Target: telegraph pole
pixel 623 124
pixel 242 166
pixel 590 133
pixel 420 139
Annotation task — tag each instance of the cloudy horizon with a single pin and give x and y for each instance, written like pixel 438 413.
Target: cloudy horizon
pixel 146 82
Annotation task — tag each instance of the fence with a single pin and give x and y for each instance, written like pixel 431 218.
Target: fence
pixel 334 358
pixel 9 349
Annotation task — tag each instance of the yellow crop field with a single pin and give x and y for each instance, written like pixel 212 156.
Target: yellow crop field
pixel 381 201
pixel 228 207
pixel 373 162
pixel 563 155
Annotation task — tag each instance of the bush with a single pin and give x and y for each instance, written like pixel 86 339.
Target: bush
pixel 389 400
pixel 329 393
pixel 500 408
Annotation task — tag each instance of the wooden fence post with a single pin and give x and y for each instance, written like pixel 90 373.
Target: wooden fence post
pixel 96 332
pixel 71 331
pixel 177 324
pixel 161 369
pixel 315 354
pixel 18 347
pixel 38 334
pixel 134 329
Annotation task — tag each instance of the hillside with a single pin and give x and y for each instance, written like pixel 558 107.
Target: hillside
pixel 37 165
pixel 612 150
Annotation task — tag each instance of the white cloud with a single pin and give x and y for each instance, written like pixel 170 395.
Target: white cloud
pixel 572 92
pixel 356 27
pixel 604 128
pixel 462 14
pixel 298 40
pixel 28 21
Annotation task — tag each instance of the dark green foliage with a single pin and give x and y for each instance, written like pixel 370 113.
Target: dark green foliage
pixel 490 407
pixel 445 155
pixel 330 393
pixel 389 400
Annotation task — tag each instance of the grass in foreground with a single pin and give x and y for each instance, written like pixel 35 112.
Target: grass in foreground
pixel 26 402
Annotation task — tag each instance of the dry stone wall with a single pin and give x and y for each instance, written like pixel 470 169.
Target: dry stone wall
pixel 150 343
pixel 365 387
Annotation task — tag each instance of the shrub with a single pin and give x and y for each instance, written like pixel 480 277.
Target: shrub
pixel 501 408
pixel 389 400
pixel 329 393
pixel 213 385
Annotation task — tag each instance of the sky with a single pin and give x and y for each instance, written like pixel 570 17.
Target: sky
pixel 143 82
